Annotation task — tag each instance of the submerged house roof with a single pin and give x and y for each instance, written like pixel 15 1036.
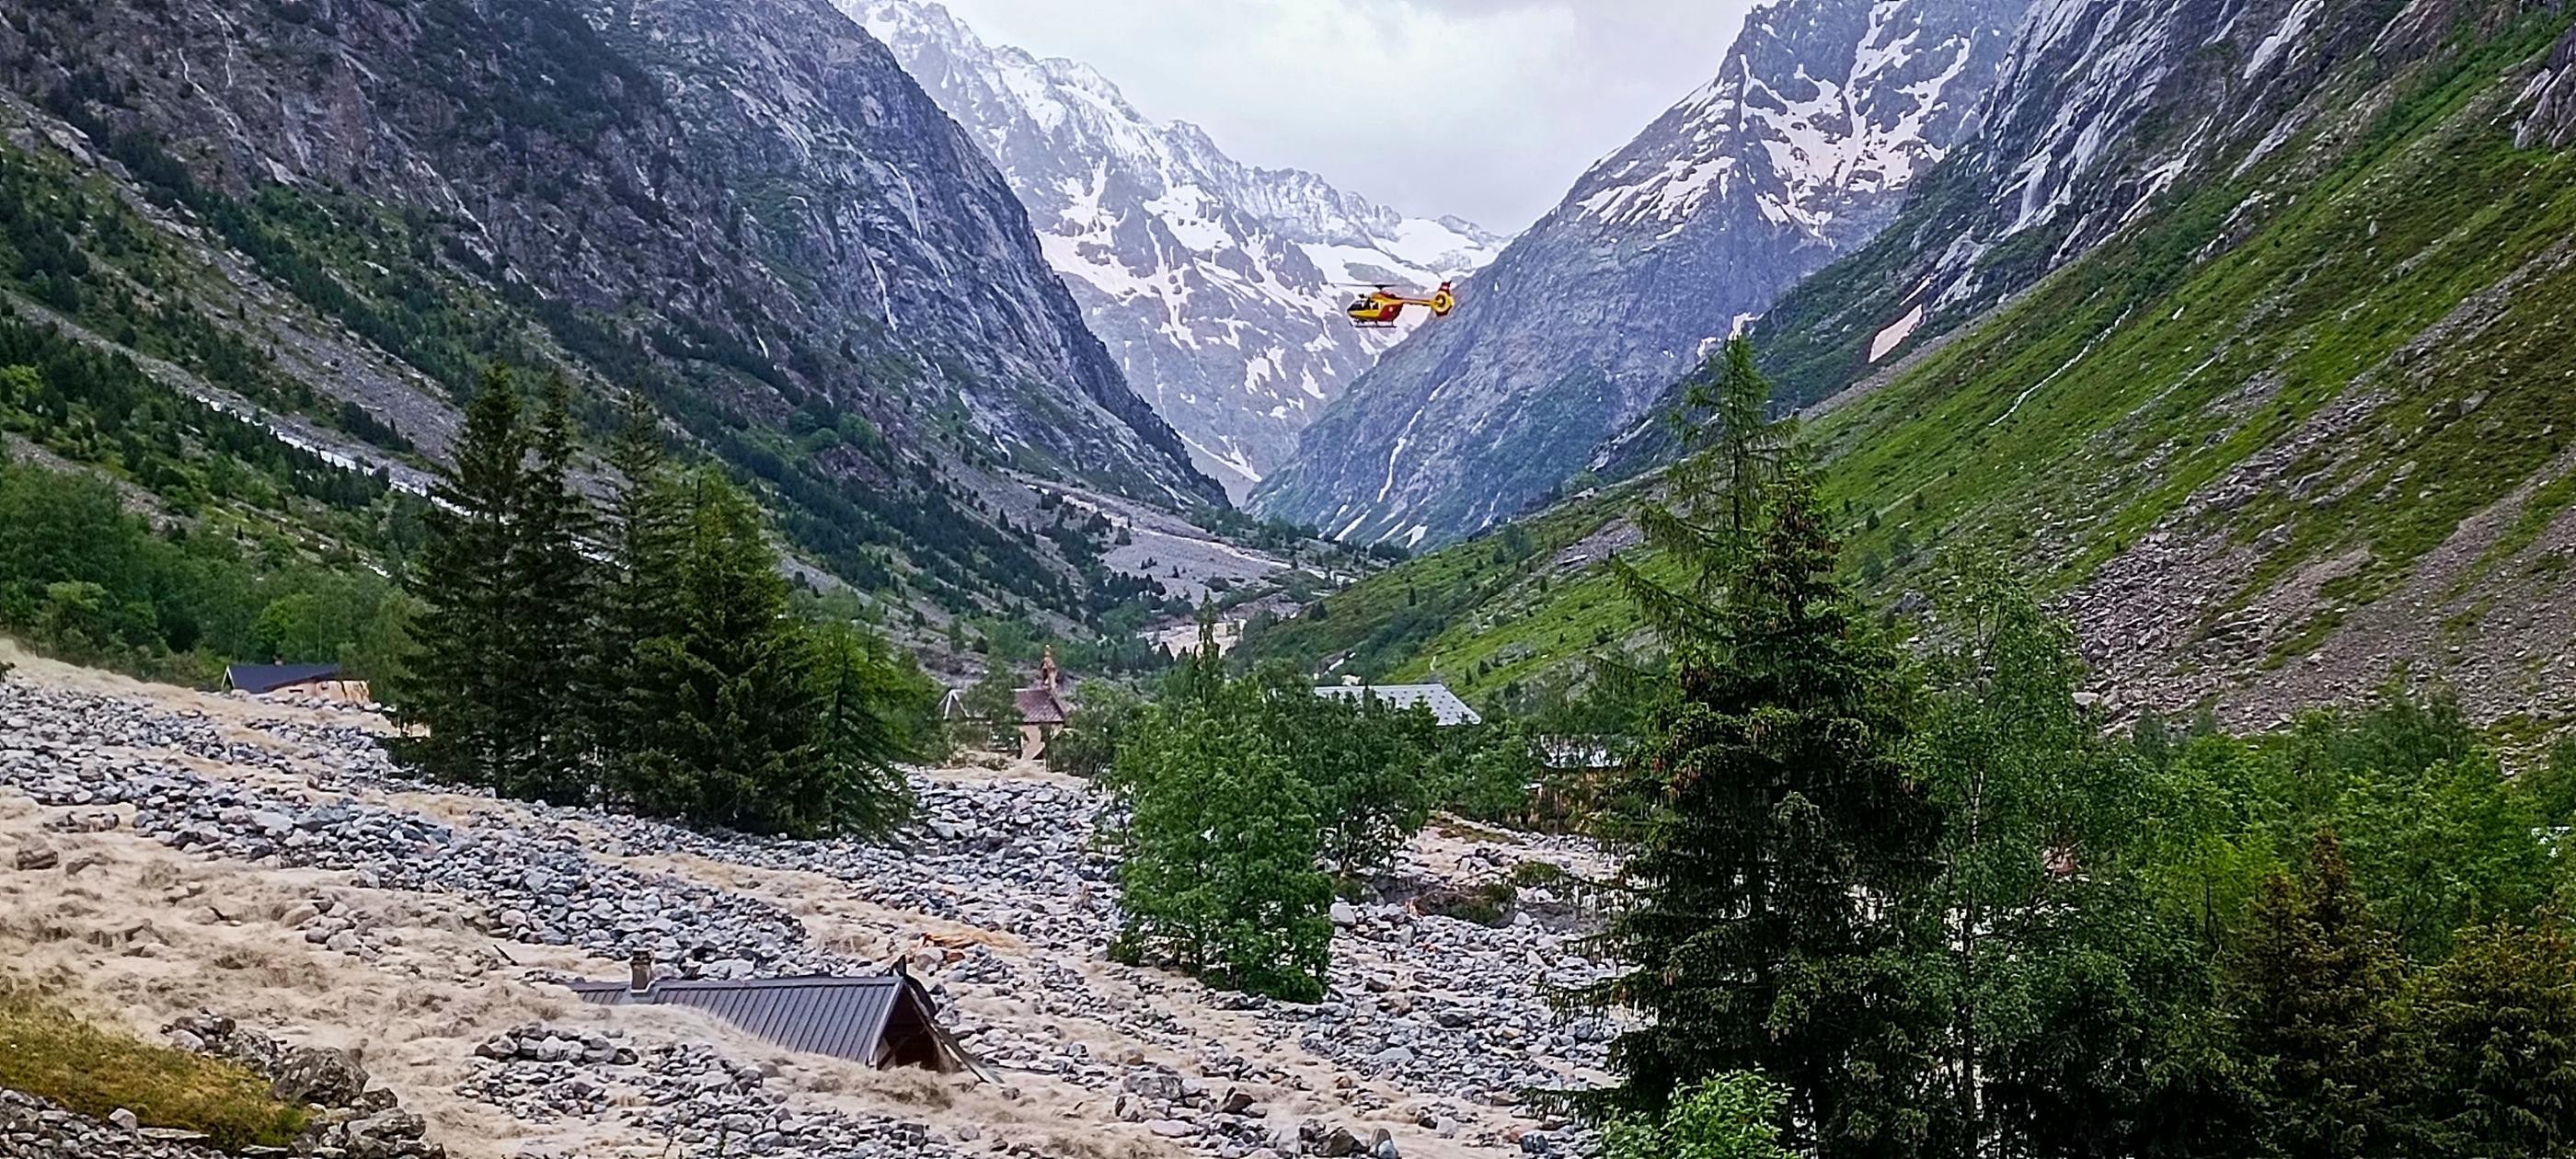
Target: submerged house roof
pixel 881 1020
pixel 259 678
pixel 1445 706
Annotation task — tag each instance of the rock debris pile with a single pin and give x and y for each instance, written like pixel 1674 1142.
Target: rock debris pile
pixel 1452 1015
pixel 31 1127
pixel 350 1120
pixel 694 1097
pixel 546 890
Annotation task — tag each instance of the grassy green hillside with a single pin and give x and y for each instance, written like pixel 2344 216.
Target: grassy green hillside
pixel 2331 376
pixel 2090 412
pixel 1388 623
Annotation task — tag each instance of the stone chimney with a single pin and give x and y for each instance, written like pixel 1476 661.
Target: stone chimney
pixel 640 968
pixel 1046 669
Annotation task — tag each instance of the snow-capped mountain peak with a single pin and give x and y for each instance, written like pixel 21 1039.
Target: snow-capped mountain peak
pixel 1218 286
pixel 1821 118
pixel 1851 124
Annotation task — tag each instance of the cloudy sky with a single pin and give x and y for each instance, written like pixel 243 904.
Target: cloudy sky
pixel 1488 109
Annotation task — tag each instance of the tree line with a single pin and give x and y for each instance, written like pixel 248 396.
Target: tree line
pixel 1890 903
pixel 644 655
pixel 164 547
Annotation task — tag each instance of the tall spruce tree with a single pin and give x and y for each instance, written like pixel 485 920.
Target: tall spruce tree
pixel 637 598
pixel 847 780
pixel 1772 838
pixel 554 530
pixel 464 695
pixel 727 700
pixel 2499 1020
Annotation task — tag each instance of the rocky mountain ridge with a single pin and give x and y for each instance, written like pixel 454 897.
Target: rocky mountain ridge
pixel 1824 113
pixel 1218 286
pixel 747 214
pixel 2100 111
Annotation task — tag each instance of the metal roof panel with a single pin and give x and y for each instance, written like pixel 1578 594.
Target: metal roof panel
pixel 840 1017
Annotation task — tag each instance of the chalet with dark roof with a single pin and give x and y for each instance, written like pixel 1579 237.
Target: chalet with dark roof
pixel 877 1020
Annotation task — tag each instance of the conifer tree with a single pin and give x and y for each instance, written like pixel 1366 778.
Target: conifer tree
pixel 729 699
pixel 2499 1020
pixel 637 598
pixel 1772 838
pixel 2314 994
pixel 553 576
pixel 464 696
pixel 847 780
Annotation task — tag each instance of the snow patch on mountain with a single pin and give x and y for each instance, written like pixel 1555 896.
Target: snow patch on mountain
pixel 1823 116
pixel 1811 142
pixel 1218 286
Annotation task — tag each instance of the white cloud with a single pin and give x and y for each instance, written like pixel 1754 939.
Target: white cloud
pixel 1484 108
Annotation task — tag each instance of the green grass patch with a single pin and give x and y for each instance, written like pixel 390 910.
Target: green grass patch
pixel 1538 875
pixel 1485 905
pixel 2539 511
pixel 48 1051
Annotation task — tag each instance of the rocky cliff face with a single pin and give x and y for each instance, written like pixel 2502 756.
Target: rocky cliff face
pixel 2104 112
pixel 1825 112
pixel 2552 99
pixel 1218 286
pixel 747 212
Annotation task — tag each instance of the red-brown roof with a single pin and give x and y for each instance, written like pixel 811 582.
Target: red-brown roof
pixel 1040 706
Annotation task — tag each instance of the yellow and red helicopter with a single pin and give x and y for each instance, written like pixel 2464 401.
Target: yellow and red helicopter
pixel 1381 307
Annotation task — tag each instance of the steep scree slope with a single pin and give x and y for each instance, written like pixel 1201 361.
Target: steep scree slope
pixel 2101 109
pixel 2304 421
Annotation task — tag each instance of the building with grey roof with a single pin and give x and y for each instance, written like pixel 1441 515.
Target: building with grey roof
pixel 880 1020
pixel 1445 706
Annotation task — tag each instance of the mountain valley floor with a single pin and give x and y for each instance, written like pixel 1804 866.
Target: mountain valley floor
pixel 264 861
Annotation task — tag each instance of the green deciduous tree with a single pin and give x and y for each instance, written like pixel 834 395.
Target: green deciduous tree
pixel 2068 991
pixel 1735 1115
pixel 1089 744
pixel 1365 761
pixel 992 710
pixel 1219 875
